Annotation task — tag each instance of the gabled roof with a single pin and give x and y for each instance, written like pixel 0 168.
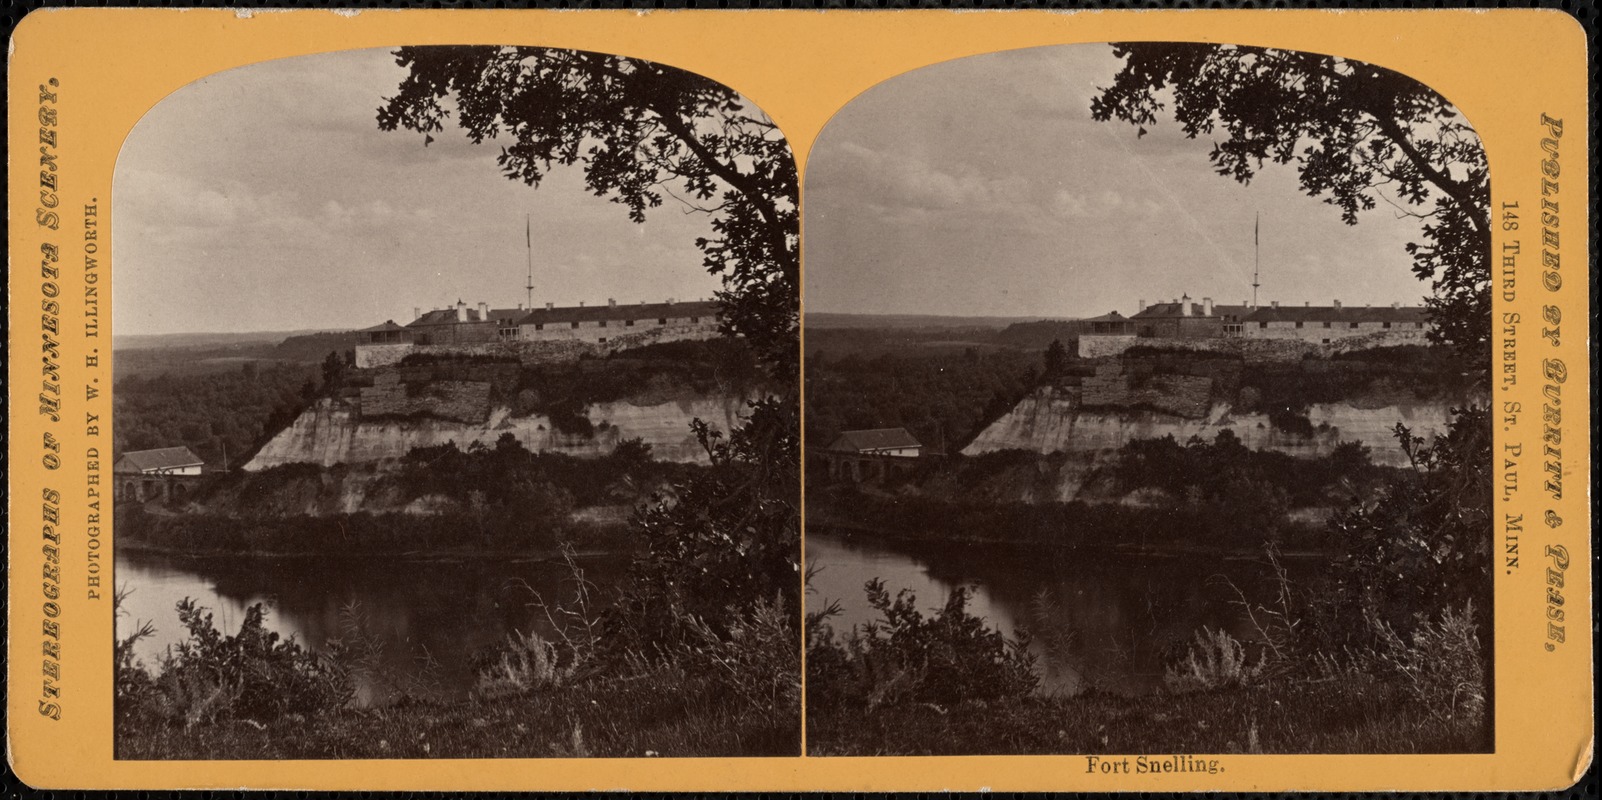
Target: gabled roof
pixel 636 311
pixel 445 316
pixel 383 327
pixel 1164 310
pixel 164 458
pixel 873 439
pixel 1342 314
pixel 1111 316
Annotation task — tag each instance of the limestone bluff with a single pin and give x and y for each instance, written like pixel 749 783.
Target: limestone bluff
pixel 471 375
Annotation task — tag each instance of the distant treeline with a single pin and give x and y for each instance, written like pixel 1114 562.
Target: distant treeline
pixel 1060 527
pixel 942 396
pixel 212 413
pixel 498 532
pixel 1207 495
pixel 496 499
pixel 192 359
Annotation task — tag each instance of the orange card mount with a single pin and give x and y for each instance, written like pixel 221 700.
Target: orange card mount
pixel 1121 401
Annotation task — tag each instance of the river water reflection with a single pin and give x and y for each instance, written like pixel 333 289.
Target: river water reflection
pixel 1105 620
pixel 432 616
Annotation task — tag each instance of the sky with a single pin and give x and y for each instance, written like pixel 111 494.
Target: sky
pixel 982 187
pixel 265 198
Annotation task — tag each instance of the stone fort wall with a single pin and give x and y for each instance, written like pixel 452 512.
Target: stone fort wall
pixel 556 348
pixel 1114 386
pixel 460 401
pixel 1295 345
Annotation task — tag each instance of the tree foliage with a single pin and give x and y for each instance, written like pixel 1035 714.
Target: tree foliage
pixel 218 415
pixel 1357 134
pixel 1416 548
pixel 943 399
pixel 903 657
pixel 727 541
pixel 1422 543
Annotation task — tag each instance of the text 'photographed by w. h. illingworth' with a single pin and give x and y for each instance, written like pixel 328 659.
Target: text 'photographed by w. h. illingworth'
pixel 456 413
pixel 1145 392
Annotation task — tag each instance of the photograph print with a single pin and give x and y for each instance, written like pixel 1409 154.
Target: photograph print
pixel 456 413
pixel 1146 396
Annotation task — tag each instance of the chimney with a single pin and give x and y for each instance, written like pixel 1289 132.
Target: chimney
pixel 1337 305
pixel 611 303
pixel 1396 305
pixel 1275 304
pixel 1207 306
pixel 1184 305
pixel 1307 304
pixel 483 312
pixel 581 304
pixel 1142 306
pixel 417 312
pixel 549 306
pixel 461 310
pixel 670 301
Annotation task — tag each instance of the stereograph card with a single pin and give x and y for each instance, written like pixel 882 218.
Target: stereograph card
pixel 769 400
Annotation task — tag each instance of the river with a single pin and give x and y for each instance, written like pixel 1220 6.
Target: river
pixel 431 615
pixel 1111 621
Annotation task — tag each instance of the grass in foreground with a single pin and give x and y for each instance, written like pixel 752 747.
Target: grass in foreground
pixel 1328 718
pixel 661 714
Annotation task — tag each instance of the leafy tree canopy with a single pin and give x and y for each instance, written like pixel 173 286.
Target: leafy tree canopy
pixel 641 131
pixel 1357 134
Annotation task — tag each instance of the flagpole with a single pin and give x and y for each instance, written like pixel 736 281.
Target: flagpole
pixel 1256 254
pixel 528 239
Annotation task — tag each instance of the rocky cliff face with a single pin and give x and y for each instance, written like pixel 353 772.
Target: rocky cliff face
pixel 1052 420
pixel 331 432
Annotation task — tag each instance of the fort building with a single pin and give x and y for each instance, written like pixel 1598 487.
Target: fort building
pixel 1203 324
pixel 549 333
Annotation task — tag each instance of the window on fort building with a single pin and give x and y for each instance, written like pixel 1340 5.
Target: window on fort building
pixel 539 326
pixel 1298 324
pixel 1354 325
pixel 1326 324
pixel 1326 341
pixel 1418 324
pixel 628 323
pixel 661 321
pixel 602 323
pixel 1262 324
pixel 1385 325
pixel 603 340
pixel 694 320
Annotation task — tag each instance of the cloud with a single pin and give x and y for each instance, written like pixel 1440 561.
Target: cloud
pixel 991 166
pixel 269 192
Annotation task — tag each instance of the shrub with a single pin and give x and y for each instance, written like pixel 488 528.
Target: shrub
pixel 755 663
pixel 1441 664
pixel 1216 661
pixel 905 657
pixel 254 674
pixel 519 663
